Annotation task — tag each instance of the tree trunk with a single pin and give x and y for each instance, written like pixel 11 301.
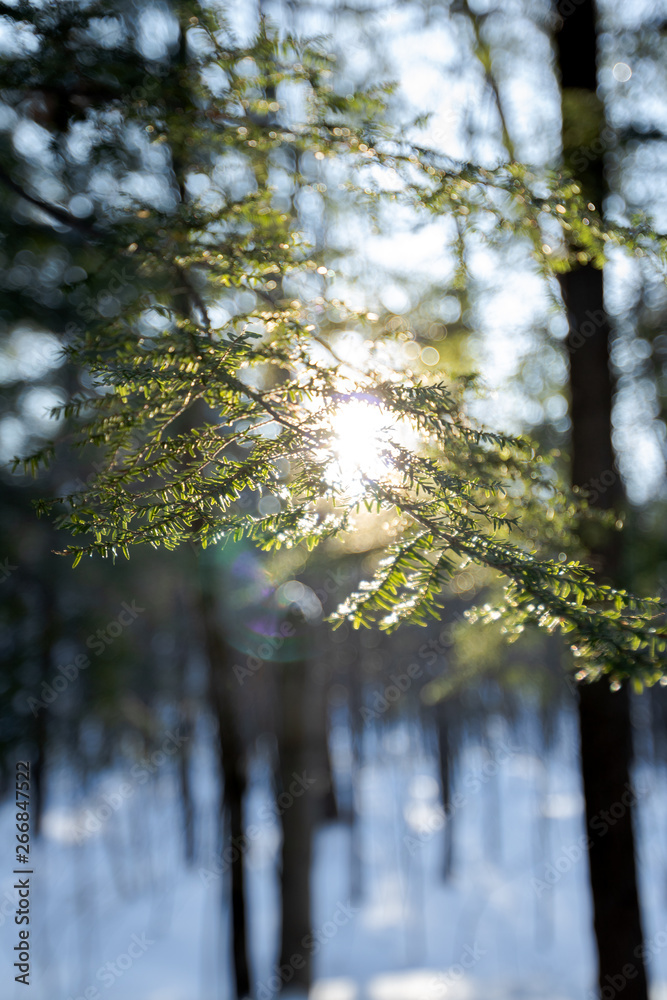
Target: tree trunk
pixel 47 611
pixel 187 729
pixel 297 813
pixel 232 761
pixel 445 768
pixel 604 715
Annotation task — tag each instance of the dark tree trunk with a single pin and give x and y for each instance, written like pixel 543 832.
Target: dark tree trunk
pixel 445 767
pixel 48 633
pixel 223 686
pixel 355 683
pixel 606 750
pixel 187 729
pixel 233 802
pixel 297 813
pixel 604 715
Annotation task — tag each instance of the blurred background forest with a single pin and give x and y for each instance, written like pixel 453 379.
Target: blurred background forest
pixel 388 817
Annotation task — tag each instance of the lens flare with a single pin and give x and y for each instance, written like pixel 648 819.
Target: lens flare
pixel 364 436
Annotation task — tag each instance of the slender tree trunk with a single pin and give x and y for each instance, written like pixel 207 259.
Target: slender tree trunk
pixel 297 813
pixel 223 687
pixel 48 633
pixel 604 715
pixel 355 683
pixel 445 767
pixel 330 808
pixel 187 729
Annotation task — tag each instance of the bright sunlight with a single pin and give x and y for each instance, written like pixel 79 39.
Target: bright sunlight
pixel 364 439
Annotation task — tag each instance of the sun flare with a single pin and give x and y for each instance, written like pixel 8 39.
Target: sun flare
pixel 364 435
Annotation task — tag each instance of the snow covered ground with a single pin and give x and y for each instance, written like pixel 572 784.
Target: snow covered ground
pixel 120 916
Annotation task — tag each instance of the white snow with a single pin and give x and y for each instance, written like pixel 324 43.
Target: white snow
pixel 506 926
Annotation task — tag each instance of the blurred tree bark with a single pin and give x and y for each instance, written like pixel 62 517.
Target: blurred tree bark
pixel 297 816
pixel 187 727
pixel 604 715
pixel 222 686
pixel 48 616
pixel 445 760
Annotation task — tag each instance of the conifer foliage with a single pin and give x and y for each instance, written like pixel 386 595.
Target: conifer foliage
pixel 170 159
